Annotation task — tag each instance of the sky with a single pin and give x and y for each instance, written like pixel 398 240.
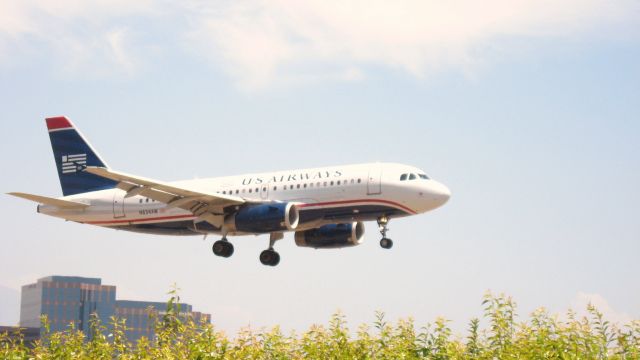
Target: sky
pixel 528 110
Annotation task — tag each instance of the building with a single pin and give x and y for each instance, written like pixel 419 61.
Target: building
pixel 73 300
pixel 140 315
pixel 15 333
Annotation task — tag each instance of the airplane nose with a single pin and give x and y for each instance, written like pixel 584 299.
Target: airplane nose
pixel 439 192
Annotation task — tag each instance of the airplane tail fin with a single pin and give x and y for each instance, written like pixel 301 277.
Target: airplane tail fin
pixel 73 154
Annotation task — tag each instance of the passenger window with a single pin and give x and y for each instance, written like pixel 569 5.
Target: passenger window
pixel 291 187
pixel 257 189
pixel 298 186
pixel 318 184
pixel 352 181
pixel 140 201
pixel 325 183
pixel 275 188
pixel 237 191
pixel 332 183
pixel 359 181
pixel 249 190
pixel 305 186
pixel 412 177
pixel 403 177
pixel 264 188
pixel 338 182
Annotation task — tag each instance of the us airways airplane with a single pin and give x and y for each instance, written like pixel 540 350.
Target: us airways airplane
pixel 325 207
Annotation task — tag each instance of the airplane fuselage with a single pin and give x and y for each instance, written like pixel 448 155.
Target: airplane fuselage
pixel 327 195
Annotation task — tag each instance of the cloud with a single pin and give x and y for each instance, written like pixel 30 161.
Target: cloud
pixel 582 300
pixel 261 42
pixel 82 38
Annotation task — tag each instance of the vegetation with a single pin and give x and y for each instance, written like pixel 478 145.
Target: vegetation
pixel 541 336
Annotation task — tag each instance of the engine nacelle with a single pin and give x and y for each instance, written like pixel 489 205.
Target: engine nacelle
pixel 265 218
pixel 331 236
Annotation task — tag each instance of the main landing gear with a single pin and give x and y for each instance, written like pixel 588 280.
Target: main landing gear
pixel 223 247
pixel 385 242
pixel 270 257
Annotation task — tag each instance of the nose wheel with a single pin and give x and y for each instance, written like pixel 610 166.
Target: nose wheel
pixel 222 248
pixel 385 242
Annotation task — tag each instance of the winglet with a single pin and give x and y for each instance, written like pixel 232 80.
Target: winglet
pixel 65 204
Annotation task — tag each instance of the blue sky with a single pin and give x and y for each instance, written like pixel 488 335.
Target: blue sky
pixel 528 112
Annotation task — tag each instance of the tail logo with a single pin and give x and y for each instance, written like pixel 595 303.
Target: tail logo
pixel 73 163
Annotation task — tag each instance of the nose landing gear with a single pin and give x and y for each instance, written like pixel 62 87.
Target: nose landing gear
pixel 385 242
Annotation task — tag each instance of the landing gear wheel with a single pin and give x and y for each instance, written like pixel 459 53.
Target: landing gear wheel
pixel 386 243
pixel 269 257
pixel 222 248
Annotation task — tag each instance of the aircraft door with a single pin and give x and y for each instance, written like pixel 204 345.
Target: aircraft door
pixel 264 191
pixel 374 186
pixel 118 204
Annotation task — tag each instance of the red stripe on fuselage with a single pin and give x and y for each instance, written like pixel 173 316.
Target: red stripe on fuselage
pixel 341 202
pixel 58 122
pixel 126 221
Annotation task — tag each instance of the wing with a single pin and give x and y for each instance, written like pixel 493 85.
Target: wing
pixel 208 207
pixel 63 204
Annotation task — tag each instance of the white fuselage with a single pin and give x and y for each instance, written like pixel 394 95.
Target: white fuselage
pixel 333 194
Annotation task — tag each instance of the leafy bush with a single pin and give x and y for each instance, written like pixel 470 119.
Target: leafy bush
pixel 542 336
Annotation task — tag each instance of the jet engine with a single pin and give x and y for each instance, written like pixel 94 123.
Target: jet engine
pixel 331 236
pixel 265 218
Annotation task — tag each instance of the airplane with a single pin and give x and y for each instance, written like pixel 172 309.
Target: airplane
pixel 324 207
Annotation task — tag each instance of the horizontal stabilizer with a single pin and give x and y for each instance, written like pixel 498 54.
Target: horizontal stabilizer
pixel 64 204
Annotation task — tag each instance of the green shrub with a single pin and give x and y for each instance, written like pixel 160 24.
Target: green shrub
pixel 541 336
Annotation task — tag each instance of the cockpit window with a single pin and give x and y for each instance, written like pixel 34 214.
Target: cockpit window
pixel 403 177
pixel 412 176
pixel 423 176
